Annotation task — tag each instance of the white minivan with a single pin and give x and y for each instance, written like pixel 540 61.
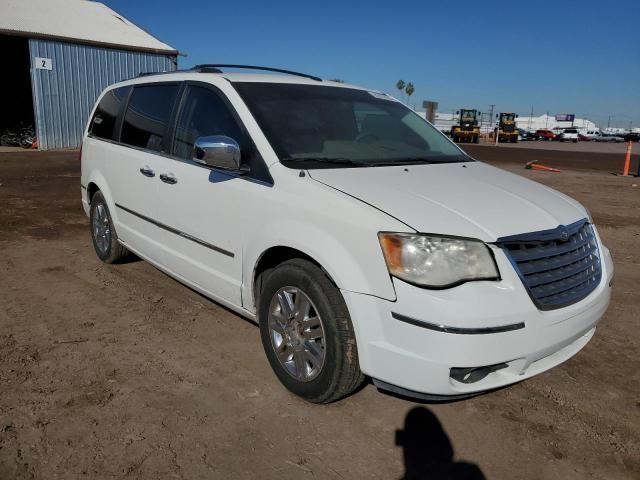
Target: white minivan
pixel 360 239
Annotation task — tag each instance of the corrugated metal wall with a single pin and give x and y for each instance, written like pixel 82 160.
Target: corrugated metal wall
pixel 64 96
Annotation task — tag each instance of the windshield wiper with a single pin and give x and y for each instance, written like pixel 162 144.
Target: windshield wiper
pixel 418 161
pixel 332 160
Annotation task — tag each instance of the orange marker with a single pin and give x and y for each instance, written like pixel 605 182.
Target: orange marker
pixel 627 160
pixel 534 165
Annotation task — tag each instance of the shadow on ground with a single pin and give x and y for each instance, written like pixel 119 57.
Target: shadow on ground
pixel 427 450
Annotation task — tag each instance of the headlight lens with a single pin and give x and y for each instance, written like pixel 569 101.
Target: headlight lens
pixel 437 262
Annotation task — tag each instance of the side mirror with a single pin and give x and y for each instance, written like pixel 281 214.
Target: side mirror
pixel 218 151
pixel 496 115
pixel 457 112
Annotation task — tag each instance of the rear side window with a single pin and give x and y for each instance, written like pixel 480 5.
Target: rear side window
pixel 104 119
pixel 147 117
pixel 203 113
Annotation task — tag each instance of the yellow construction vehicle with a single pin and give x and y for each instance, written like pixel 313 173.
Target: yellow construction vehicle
pixel 506 129
pixel 467 129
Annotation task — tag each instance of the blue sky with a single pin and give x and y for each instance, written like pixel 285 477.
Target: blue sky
pixel 579 57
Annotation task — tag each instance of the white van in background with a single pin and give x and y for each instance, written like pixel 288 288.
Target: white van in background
pixel 591 134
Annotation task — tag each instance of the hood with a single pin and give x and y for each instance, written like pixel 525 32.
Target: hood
pixel 468 199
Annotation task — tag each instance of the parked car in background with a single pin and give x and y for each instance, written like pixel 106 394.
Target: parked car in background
pixel 544 134
pixel 526 135
pixel 590 134
pixel 608 138
pixel 568 135
pixel 359 238
pixel 632 137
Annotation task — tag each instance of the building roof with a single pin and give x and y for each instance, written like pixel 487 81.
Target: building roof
pixel 80 21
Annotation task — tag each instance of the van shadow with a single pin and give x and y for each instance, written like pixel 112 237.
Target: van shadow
pixel 427 450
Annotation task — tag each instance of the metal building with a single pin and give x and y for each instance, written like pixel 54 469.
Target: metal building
pixel 59 55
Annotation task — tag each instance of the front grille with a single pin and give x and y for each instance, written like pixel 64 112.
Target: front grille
pixel 558 267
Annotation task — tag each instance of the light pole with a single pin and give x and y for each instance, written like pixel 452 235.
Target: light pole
pixel 530 118
pixel 491 107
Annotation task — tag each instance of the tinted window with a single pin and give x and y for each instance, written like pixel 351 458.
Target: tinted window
pixel 203 113
pixel 315 126
pixel 147 117
pixel 104 119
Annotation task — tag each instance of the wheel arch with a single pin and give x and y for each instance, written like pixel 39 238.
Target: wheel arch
pixel 92 188
pixel 274 256
pixel 97 183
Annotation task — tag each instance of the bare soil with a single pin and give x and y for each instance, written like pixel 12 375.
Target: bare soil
pixel 605 157
pixel 121 372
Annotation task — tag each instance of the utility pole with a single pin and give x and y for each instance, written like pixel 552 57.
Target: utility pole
pixel 530 118
pixel 491 107
pixel 609 122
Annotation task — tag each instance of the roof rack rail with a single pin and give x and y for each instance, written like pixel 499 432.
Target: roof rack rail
pixel 215 68
pixel 147 74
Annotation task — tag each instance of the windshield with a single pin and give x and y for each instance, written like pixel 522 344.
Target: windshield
pixel 312 126
pixel 508 117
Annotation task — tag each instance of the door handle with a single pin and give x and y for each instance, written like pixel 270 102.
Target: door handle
pixel 147 172
pixel 168 178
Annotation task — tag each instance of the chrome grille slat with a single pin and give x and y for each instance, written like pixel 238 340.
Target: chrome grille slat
pixel 571 296
pixel 556 271
pixel 560 273
pixel 544 252
pixel 562 285
pixel 536 266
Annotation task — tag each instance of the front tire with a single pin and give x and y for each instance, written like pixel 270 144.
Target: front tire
pixel 103 232
pixel 307 333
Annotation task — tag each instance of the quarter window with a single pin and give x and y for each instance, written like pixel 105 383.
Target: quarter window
pixel 147 117
pixel 104 119
pixel 203 113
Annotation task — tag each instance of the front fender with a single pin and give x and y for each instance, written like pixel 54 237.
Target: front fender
pixel 354 264
pixel 337 231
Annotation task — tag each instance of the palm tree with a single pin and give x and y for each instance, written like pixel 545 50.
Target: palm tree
pixel 409 89
pixel 400 86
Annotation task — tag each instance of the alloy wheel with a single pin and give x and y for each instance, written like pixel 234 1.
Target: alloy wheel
pixel 296 333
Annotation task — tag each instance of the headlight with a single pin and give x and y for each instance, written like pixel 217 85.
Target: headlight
pixel 437 262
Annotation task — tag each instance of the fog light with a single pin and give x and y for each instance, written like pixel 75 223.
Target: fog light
pixel 474 374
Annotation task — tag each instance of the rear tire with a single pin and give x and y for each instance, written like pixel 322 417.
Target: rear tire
pixel 307 333
pixel 103 232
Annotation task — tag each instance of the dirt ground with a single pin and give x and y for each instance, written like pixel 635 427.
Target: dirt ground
pixel 604 157
pixel 122 372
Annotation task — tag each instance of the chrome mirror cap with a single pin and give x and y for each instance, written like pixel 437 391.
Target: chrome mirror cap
pixel 217 151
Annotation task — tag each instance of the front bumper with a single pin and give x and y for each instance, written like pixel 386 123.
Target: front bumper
pixel 420 358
